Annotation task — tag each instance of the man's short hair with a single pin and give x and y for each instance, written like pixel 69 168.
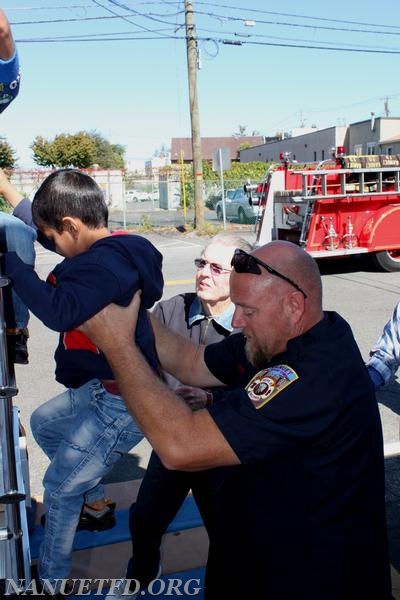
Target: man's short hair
pixel 231 239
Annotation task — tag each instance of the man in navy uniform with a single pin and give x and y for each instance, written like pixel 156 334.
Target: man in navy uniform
pixel 296 504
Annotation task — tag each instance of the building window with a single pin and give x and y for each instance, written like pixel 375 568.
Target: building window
pixel 389 151
pixel 322 154
pixel 371 148
pixel 358 149
pixel 315 156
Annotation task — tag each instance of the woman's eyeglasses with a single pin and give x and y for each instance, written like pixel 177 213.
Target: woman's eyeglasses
pixel 247 263
pixel 214 268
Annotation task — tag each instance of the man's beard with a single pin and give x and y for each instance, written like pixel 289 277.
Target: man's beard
pixel 256 356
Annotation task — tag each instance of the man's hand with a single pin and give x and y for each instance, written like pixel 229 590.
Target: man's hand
pixel 114 326
pixel 194 397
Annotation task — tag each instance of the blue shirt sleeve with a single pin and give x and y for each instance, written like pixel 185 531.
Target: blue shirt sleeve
pixel 23 211
pixel 376 378
pixel 75 298
pixel 385 354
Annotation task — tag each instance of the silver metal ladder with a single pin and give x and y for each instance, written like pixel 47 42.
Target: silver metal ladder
pixel 14 538
pixel 363 181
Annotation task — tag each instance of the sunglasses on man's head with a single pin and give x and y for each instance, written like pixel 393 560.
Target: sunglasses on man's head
pixel 214 267
pixel 243 262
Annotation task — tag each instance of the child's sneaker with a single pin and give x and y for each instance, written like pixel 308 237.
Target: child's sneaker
pixel 94 520
pixel 97 520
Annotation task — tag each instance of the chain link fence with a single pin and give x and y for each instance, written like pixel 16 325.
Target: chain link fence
pixel 142 201
pixel 149 202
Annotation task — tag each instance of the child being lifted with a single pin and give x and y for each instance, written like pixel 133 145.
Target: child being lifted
pixel 85 429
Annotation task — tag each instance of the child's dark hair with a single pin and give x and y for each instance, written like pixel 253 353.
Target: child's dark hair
pixel 69 193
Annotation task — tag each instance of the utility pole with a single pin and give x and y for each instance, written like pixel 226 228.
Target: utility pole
pixel 191 45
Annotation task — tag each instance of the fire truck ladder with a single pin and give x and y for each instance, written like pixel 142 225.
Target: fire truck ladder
pixel 354 182
pixel 14 540
pixel 306 222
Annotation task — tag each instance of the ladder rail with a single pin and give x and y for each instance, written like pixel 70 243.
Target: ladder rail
pixel 310 185
pixel 14 539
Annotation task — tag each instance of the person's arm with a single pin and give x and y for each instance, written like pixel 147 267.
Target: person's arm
pixel 22 208
pixel 183 439
pixel 76 296
pixel 7 46
pixel 9 191
pixel 376 378
pixel 9 65
pixel 181 357
pixel 385 354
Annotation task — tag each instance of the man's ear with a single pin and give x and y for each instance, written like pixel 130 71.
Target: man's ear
pixel 71 226
pixel 295 304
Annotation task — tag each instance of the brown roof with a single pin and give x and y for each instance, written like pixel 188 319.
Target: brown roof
pixel 210 144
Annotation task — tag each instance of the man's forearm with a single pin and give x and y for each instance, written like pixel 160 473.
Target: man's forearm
pixel 181 357
pixel 183 439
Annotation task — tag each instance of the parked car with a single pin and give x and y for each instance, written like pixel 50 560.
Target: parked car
pixel 237 207
pixel 137 196
pixel 212 201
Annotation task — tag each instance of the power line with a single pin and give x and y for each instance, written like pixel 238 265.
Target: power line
pixel 273 37
pixel 302 25
pixel 238 39
pixel 233 42
pixel 124 17
pixel 312 18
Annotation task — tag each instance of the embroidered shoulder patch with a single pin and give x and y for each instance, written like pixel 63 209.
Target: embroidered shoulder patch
pixel 268 383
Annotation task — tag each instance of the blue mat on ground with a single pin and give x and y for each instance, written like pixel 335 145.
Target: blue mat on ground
pixel 187 517
pixel 185 584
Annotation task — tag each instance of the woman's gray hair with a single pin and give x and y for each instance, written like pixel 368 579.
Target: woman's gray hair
pixel 231 239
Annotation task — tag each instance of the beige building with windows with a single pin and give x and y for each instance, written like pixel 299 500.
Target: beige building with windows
pixel 379 135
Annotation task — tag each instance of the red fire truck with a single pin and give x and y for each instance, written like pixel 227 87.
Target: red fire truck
pixel 344 206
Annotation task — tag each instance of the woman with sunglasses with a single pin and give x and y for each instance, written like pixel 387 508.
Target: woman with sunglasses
pixel 292 454
pixel 203 316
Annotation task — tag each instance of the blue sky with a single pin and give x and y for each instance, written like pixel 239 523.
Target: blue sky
pixel 135 91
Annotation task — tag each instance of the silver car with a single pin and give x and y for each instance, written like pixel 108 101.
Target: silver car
pixel 237 207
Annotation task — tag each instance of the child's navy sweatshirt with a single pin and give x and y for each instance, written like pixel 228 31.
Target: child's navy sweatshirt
pixel 112 270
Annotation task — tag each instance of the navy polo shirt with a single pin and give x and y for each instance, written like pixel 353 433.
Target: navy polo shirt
pixel 303 516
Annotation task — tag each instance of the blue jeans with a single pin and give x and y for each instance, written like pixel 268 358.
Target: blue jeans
pixel 84 432
pixel 20 238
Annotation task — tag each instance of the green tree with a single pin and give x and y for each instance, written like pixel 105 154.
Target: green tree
pixel 7 161
pixel 241 131
pixel 43 152
pixel 255 171
pixel 81 150
pixel 239 172
pixel 8 157
pixel 108 156
pixel 78 150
